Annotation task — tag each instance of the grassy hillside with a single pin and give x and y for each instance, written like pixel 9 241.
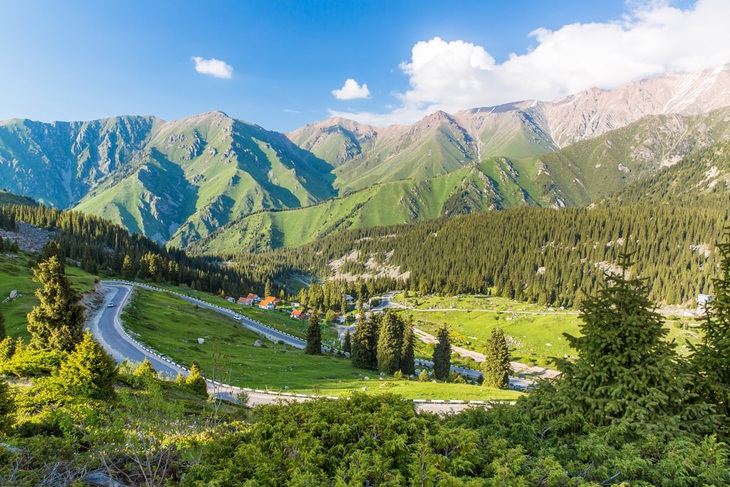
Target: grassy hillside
pixel 492 185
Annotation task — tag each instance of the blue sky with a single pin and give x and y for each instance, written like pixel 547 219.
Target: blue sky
pixel 282 64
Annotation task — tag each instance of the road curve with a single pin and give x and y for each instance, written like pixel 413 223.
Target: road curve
pixel 106 328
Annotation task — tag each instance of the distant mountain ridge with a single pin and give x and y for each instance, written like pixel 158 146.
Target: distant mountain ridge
pixel 204 178
pixel 515 130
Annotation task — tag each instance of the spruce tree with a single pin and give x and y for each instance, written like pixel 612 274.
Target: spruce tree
pixel 196 382
pixel 128 271
pixel 711 358
pixel 347 342
pixel 145 370
pixel 363 355
pixel 88 371
pixel 496 365
pixel 314 336
pixel 53 249
pixel 57 322
pixel 442 355
pixel 408 357
pixel 390 343
pixel 626 373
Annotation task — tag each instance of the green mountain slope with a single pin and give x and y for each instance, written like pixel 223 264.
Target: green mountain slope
pixel 58 163
pixel 200 172
pixel 492 185
pixel 172 181
pixel 437 145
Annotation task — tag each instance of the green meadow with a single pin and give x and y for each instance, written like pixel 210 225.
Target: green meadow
pixel 172 326
pixel 534 333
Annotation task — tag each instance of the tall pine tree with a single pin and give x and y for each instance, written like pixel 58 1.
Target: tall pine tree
pixel 442 355
pixel 390 343
pixel 57 322
pixel 496 365
pixel 314 336
pixel 407 356
pixel 347 342
pixel 364 342
pixel 626 373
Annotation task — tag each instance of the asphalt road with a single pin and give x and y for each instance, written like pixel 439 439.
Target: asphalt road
pixel 106 327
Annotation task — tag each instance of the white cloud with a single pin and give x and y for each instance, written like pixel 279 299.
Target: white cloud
pixel 652 39
pixel 213 67
pixel 352 91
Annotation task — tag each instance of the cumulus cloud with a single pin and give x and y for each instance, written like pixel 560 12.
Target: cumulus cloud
pixel 652 39
pixel 351 91
pixel 213 67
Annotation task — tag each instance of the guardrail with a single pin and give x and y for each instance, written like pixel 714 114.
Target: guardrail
pixel 301 344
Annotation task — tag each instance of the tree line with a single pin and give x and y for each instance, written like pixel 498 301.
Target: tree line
pixel 545 256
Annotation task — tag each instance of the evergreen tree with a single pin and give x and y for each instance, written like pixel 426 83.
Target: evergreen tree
pixel 347 342
pixel 408 357
pixel 268 290
pixel 53 249
pixel 364 355
pixel 390 343
pixel 196 382
pixel 496 365
pixel 57 322
pixel 314 336
pixel 442 355
pixel 7 405
pixel 88 371
pixel 128 271
pixel 3 333
pixel 711 358
pixel 626 373
pixel 145 370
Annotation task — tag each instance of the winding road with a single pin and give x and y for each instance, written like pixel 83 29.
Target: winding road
pixel 107 329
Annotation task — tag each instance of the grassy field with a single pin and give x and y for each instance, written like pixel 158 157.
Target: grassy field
pixel 16 273
pixel 278 318
pixel 173 326
pixel 534 333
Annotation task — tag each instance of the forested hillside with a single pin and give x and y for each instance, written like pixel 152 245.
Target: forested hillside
pixel 101 247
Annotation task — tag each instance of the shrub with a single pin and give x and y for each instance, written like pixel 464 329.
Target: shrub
pixel 89 371
pixel 27 362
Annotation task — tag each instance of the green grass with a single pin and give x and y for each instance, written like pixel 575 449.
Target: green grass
pixel 16 273
pixel 172 326
pixel 535 333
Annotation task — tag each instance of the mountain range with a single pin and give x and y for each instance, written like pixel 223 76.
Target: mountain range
pixel 217 184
